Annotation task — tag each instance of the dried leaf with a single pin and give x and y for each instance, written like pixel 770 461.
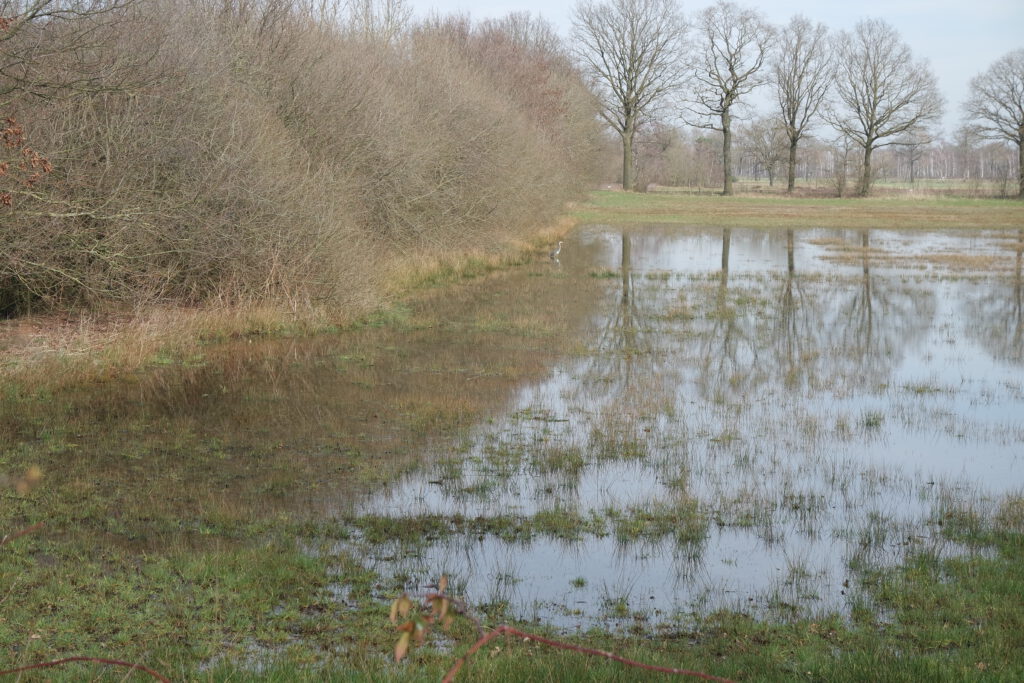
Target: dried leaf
pixel 442 585
pixel 402 648
pixel 402 606
pixel 394 611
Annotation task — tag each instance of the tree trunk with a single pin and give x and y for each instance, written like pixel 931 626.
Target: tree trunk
pixel 791 178
pixel 627 160
pixel 1020 168
pixel 626 267
pixel 865 179
pixel 790 261
pixel 727 152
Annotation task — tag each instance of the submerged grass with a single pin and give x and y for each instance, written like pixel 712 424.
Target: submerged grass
pixel 266 613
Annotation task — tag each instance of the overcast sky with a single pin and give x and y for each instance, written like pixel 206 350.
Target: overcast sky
pixel 959 38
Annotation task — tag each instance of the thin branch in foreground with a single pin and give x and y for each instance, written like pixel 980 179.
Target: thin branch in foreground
pixel 18 534
pixel 96 660
pixel 505 629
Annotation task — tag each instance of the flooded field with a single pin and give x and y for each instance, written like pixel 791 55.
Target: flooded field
pixel 750 422
pixel 663 422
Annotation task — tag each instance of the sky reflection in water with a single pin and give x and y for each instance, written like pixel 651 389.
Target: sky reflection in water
pixel 822 396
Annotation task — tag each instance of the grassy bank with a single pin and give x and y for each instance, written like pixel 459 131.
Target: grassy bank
pixel 783 212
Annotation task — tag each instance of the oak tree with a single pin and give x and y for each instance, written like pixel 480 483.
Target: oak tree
pixel 633 52
pixel 801 76
pixel 734 45
pixel 883 92
pixel 996 105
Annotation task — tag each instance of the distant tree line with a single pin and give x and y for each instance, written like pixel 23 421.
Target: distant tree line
pixel 861 91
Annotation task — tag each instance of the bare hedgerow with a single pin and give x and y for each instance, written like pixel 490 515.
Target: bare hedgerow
pixel 264 151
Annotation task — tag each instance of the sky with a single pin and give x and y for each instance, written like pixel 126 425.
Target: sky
pixel 959 39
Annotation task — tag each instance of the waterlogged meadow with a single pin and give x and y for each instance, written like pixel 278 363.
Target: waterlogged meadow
pixel 751 422
pixel 695 446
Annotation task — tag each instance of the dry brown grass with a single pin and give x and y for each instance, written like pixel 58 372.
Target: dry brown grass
pixel 782 212
pixel 52 351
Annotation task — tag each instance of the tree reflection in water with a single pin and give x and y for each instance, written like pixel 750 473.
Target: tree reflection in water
pixel 872 328
pixel 996 313
pixel 804 392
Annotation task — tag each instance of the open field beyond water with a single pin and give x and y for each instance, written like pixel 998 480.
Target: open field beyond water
pixel 760 211
pixel 761 438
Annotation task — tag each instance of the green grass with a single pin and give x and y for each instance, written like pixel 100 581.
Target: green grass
pixel 202 592
pixel 782 212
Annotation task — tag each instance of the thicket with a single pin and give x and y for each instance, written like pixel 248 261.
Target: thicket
pixel 269 150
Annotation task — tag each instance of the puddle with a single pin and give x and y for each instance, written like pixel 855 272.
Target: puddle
pixel 756 418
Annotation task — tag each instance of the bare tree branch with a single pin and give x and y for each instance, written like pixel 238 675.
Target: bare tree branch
pixel 883 92
pixel 633 51
pixel 995 105
pixel 735 44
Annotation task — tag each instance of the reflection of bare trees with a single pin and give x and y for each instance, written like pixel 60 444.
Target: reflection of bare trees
pixel 796 328
pixel 996 316
pixel 625 335
pixel 728 349
pixel 871 327
pixel 797 333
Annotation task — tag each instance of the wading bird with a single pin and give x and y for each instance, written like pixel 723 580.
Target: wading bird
pixel 557 251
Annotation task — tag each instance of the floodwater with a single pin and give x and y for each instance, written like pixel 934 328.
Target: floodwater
pixel 753 419
pixel 666 421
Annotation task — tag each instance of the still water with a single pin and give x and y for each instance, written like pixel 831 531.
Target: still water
pixel 750 421
pixel 665 421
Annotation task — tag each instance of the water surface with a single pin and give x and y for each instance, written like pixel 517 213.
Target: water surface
pixel 666 421
pixel 754 419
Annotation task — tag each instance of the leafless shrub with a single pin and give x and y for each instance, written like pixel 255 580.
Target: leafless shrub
pixel 262 150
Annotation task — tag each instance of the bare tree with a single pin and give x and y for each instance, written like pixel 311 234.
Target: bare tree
pixel 883 92
pixel 633 50
pixel 735 44
pixel 912 147
pixel 765 142
pixel 996 104
pixel 840 152
pixel 801 75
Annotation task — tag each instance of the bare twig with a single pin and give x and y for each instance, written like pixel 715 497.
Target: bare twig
pixel 505 629
pixel 96 660
pixel 18 534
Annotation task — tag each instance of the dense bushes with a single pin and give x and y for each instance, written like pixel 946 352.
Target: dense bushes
pixel 260 151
